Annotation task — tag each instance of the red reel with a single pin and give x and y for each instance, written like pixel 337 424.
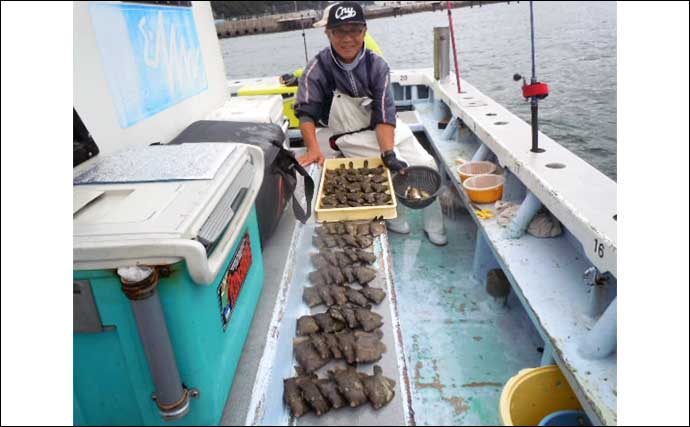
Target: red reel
pixel 540 90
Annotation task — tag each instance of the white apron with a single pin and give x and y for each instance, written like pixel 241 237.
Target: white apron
pixel 349 114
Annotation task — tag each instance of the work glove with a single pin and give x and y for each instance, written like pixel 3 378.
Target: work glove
pixel 392 162
pixel 288 80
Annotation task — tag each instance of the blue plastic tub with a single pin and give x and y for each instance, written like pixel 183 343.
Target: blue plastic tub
pixel 566 418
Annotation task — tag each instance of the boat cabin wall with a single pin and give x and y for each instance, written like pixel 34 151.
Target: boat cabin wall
pixel 144 72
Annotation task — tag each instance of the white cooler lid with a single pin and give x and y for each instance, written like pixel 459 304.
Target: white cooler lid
pixel 125 216
pixel 255 109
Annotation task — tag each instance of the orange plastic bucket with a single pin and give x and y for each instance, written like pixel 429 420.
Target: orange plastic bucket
pixel 484 188
pixel 470 169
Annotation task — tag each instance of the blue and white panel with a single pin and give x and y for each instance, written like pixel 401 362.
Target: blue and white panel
pixel 151 56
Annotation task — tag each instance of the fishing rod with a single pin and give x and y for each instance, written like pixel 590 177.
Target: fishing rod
pixel 304 37
pixel 455 51
pixel 534 91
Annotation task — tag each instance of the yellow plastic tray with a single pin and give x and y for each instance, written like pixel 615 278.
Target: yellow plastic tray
pixel 358 213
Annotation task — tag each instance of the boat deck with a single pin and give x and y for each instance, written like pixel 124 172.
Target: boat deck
pixel 459 347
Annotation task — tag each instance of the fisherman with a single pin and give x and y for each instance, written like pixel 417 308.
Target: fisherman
pixel 347 87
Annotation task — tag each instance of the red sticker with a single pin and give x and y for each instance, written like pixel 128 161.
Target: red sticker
pixel 230 287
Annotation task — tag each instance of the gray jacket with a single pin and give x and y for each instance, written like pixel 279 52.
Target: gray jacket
pixel 368 76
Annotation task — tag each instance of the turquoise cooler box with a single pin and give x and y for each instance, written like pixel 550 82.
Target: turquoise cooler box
pixel 167 275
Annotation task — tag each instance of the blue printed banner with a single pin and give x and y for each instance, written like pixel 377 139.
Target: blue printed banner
pixel 151 56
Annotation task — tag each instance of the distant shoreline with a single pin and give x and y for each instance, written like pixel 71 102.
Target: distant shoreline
pixel 306 18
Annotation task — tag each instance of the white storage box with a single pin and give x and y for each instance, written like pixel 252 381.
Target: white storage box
pixel 255 109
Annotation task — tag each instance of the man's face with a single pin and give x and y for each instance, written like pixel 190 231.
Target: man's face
pixel 347 40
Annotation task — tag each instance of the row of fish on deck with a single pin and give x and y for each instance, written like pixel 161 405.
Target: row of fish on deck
pixel 348 331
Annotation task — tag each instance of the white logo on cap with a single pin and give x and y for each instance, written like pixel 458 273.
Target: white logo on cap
pixel 343 13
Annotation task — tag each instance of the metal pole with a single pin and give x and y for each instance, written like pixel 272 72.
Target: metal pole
pixel 441 58
pixel 528 209
pixel 601 340
pixel 535 125
pixel 534 107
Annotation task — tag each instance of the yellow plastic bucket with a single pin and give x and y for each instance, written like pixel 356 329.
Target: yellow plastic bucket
pixel 533 394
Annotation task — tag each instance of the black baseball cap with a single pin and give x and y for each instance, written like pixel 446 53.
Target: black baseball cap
pixel 347 12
